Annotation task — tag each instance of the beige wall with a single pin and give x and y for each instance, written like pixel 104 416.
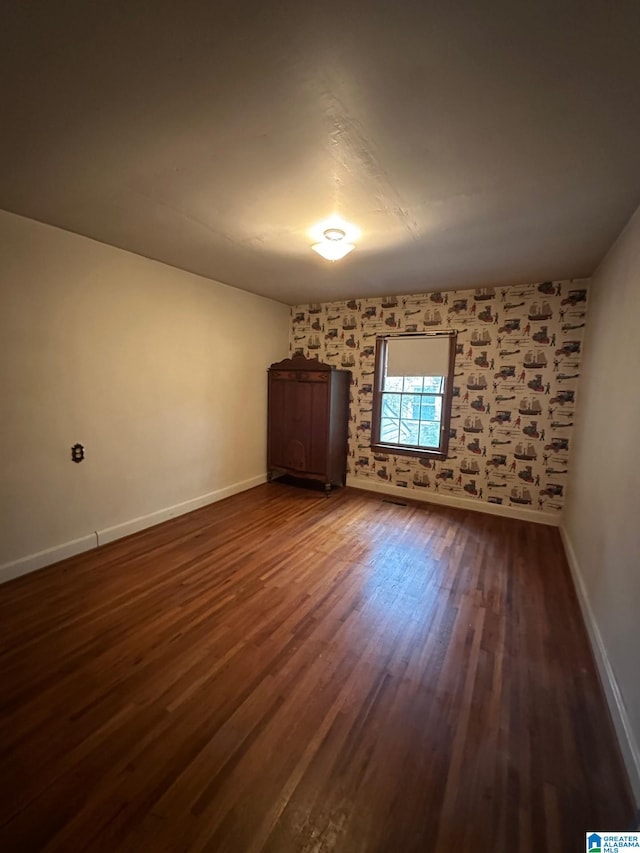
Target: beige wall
pixel 159 373
pixel 602 514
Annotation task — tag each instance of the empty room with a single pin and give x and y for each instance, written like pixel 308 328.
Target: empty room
pixel 319 489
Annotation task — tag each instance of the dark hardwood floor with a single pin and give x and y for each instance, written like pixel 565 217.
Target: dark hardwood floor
pixel 285 672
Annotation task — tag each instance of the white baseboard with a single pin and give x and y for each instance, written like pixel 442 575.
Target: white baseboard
pixel 32 562
pixel 621 722
pixel 125 528
pixel 450 500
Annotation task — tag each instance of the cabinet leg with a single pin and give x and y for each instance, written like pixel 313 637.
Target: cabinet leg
pixel 327 489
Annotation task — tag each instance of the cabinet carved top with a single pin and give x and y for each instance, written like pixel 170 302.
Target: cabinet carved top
pixel 299 362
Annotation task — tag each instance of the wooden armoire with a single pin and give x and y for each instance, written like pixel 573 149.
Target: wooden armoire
pixel 308 420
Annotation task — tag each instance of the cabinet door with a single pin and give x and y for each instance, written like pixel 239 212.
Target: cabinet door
pixel 298 425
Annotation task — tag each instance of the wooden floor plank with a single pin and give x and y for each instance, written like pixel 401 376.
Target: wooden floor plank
pixel 282 672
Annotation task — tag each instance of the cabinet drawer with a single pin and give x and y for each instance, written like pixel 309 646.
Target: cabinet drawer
pixel 305 376
pixel 284 374
pixel 300 375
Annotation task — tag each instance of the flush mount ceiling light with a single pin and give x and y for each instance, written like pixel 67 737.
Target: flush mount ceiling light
pixel 335 239
pixel 333 246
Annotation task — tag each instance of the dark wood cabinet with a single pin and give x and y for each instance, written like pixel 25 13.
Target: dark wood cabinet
pixel 308 420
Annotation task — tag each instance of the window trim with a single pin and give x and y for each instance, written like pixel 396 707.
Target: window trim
pixel 447 400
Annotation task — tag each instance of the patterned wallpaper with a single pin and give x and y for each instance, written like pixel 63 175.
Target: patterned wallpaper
pixel 516 376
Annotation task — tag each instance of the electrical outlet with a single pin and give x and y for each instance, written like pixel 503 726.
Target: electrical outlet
pixel 77 453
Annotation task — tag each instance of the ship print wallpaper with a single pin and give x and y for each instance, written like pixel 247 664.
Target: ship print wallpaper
pixel 516 378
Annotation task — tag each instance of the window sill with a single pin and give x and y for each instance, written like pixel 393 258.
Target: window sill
pixel 401 450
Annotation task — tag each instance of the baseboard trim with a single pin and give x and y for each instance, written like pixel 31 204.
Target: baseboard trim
pixel 33 562
pixel 619 716
pixel 126 528
pixel 448 500
pixel 41 559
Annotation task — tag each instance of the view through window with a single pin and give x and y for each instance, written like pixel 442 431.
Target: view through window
pixel 412 410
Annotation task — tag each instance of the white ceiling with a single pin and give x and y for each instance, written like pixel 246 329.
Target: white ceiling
pixel 472 143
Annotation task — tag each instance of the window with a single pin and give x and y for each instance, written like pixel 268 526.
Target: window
pixel 412 394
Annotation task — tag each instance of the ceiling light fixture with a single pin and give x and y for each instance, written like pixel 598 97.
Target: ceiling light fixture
pixel 334 240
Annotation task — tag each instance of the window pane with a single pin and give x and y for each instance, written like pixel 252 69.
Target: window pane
pixel 389 430
pixel 391 405
pixel 409 432
pixel 410 406
pixel 429 434
pixel 413 384
pixel 434 384
pixel 431 408
pixel 392 383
